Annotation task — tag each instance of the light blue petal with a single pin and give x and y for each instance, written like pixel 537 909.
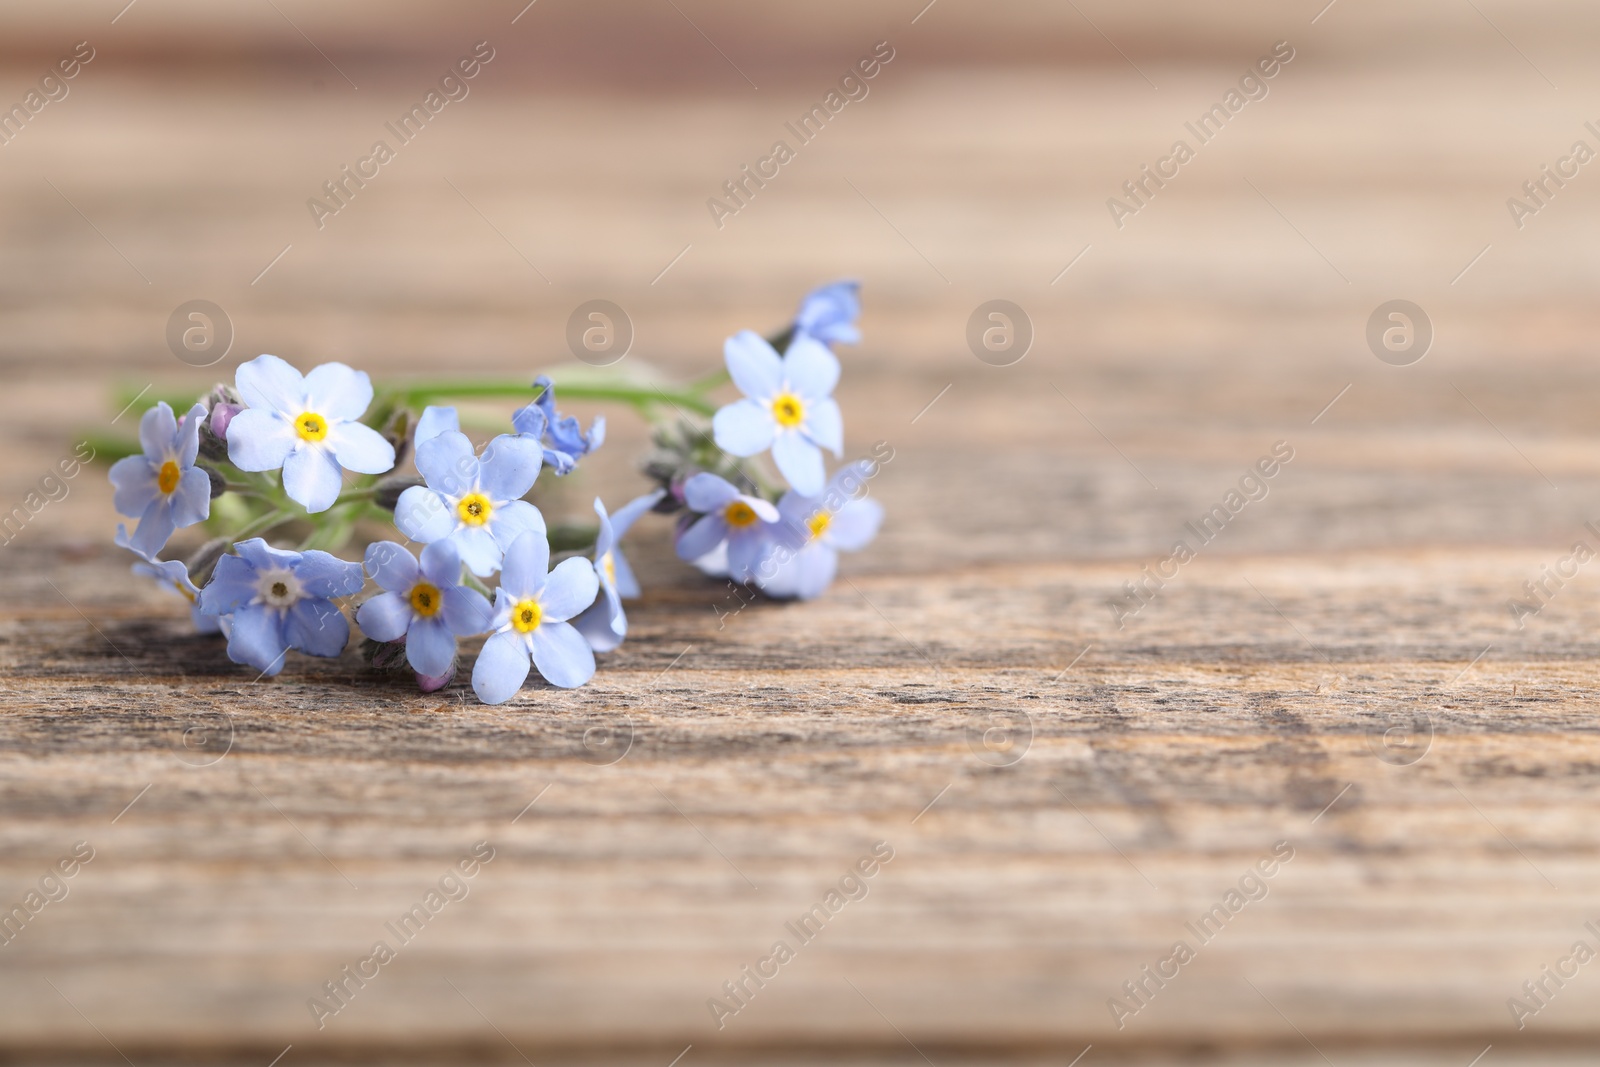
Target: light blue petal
pixel 263 556
pixel 828 312
pixel 322 574
pixel 624 518
pixel 188 438
pixel 744 428
pixel 385 617
pixel 509 466
pixel 441 564
pixel 260 440
pixel 527 566
pixel 155 529
pixel 317 628
pixel 854 525
pixel 714 564
pixel 478 549
pixel 602 624
pixel 425 515
pixel 747 552
pixel 706 493
pixel 392 566
pixel 806 574
pixel 435 420
pixel 430 647
pixel 530 420
pixel 448 463
pixel 466 611
pixel 191 500
pixel 360 448
pixel 158 430
pixel 337 393
pixel 704 536
pixel 504 604
pixel 810 369
pixel 627 584
pixel 501 669
pixel 232 586
pixel 571 587
pixel 800 461
pixel 257 639
pixel 606 539
pixel 825 426
pixel 512 520
pixel 763 508
pixel 134 481
pixel 754 365
pixel 269 384
pixel 562 655
pixel 312 478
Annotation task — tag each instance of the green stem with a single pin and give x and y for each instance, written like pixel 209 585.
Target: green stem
pixel 262 525
pixel 417 394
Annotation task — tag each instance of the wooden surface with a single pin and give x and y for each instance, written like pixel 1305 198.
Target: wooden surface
pixel 1061 795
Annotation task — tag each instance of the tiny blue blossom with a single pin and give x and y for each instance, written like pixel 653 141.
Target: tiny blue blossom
pixel 174 575
pixel 788 406
pixel 829 313
pixel 425 605
pixel 814 530
pixel 308 425
pixel 747 525
pixel 473 502
pixel 532 607
pixel 605 624
pixel 162 488
pixel 560 436
pixel 280 600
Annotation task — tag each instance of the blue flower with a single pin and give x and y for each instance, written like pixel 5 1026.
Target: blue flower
pixel 816 529
pixel 530 622
pixel 306 425
pixel 173 574
pixel 605 624
pixel 829 313
pixel 475 503
pixel 433 422
pixel 162 488
pixel 280 600
pixel 788 406
pixel 561 437
pixel 746 524
pixel 427 605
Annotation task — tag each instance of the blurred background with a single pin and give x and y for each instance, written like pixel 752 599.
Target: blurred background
pixel 1165 349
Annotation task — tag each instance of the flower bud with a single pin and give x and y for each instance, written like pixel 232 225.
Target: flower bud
pixel 387 494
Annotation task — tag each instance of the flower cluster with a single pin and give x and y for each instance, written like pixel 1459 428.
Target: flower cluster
pixel 281 453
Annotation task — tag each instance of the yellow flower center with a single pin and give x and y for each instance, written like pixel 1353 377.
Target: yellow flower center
pixel 739 514
pixel 311 426
pixel 818 523
pixel 788 410
pixel 425 599
pixel 474 509
pixel 609 563
pixel 526 616
pixel 167 479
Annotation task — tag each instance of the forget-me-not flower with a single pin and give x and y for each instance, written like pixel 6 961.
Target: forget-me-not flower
pixel 746 524
pixel 816 529
pixel 829 313
pixel 605 624
pixel 532 607
pixel 434 421
pixel 280 600
pixel 175 575
pixel 475 503
pixel 788 406
pixel 308 425
pixel 426 605
pixel 561 436
pixel 162 488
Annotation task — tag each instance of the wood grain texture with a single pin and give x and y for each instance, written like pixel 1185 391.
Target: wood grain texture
pixel 1338 670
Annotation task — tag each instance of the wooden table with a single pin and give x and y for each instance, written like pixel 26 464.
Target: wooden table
pixel 1337 675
